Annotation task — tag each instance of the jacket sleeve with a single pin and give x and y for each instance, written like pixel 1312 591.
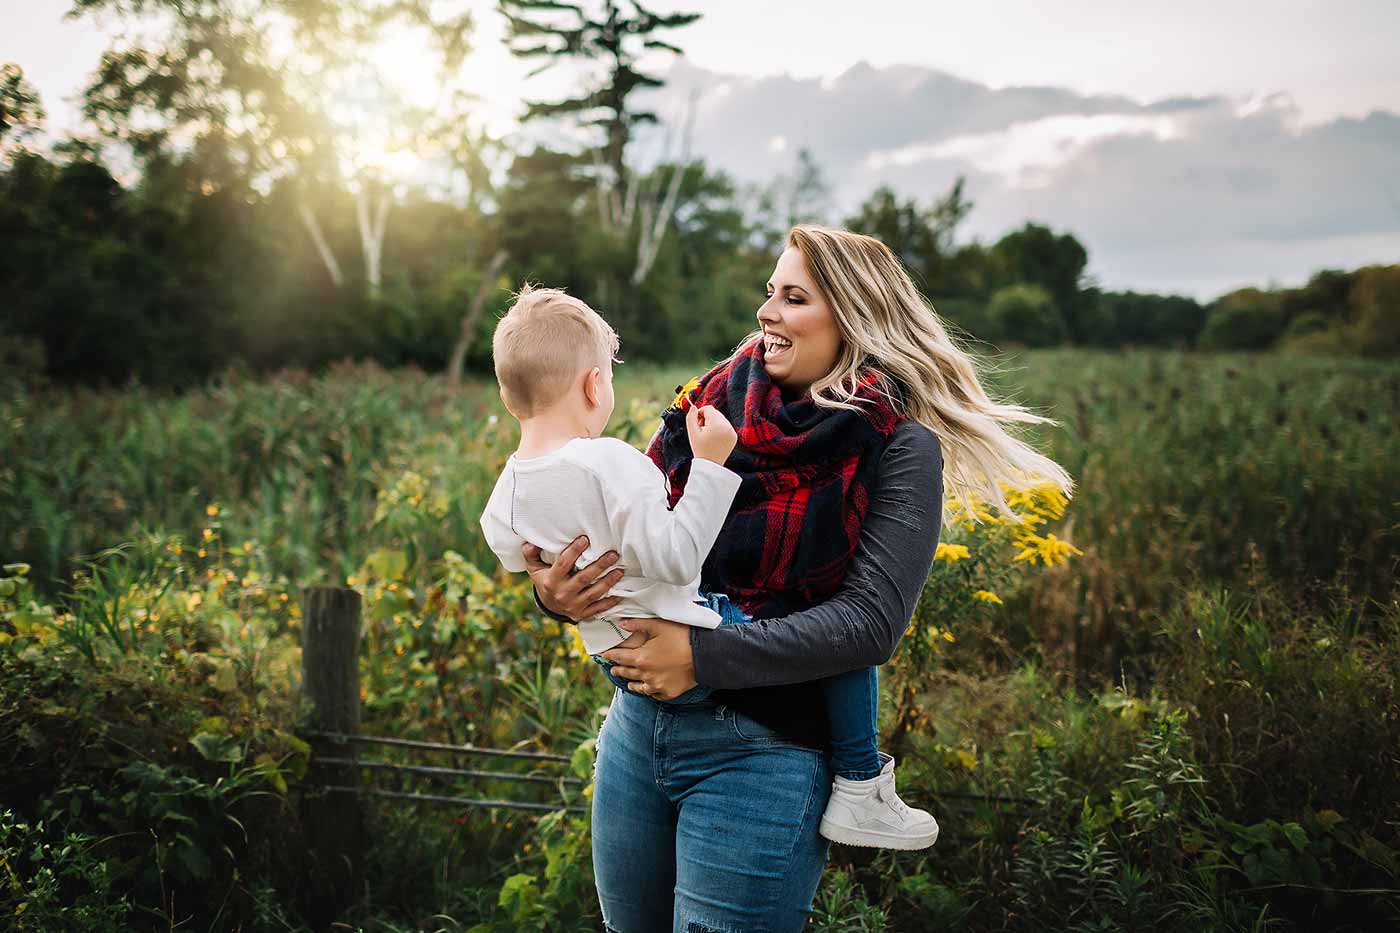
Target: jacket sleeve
pixel 862 624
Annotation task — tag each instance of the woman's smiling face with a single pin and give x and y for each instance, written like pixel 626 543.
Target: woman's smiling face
pixel 800 338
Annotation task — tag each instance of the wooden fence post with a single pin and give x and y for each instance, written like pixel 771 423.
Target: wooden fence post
pixel 330 646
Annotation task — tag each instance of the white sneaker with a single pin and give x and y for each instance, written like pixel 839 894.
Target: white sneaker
pixel 870 813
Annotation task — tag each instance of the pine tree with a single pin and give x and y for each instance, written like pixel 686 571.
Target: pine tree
pixel 558 31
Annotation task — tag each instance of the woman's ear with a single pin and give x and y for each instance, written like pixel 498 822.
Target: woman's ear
pixel 592 381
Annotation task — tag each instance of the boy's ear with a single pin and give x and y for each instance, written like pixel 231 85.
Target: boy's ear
pixel 591 381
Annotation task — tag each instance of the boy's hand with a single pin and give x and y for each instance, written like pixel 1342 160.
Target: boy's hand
pixel 711 435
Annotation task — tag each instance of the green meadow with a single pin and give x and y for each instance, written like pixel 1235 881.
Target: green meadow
pixel 1193 722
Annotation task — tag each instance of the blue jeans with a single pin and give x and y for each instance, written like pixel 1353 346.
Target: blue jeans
pixel 851 705
pixel 704 821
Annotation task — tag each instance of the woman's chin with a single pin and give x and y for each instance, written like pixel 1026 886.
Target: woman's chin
pixel 776 369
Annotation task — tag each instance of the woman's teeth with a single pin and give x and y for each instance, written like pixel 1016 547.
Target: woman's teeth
pixel 773 345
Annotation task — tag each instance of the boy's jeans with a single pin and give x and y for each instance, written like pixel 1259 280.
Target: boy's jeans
pixel 851 704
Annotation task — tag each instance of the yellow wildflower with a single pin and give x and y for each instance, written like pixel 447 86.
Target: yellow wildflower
pixel 683 393
pixel 398 649
pixel 1050 549
pixel 211 510
pixel 987 596
pixel 201 552
pixel 208 534
pixel 951 553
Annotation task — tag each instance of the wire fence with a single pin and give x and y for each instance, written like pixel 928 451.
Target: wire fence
pixel 438 772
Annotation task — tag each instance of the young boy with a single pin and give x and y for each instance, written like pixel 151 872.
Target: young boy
pixel 553 358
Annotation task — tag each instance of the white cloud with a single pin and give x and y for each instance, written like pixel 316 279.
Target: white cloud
pixel 1024 152
pixel 1196 194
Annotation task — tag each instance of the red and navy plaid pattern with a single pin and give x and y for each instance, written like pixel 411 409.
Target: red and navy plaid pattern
pixel 806 473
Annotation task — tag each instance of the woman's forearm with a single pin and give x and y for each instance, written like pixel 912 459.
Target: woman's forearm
pixel 860 625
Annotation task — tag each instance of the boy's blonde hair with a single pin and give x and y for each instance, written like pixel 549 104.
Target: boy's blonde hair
pixel 542 343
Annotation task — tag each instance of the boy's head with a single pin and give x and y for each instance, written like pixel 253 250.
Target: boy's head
pixel 549 348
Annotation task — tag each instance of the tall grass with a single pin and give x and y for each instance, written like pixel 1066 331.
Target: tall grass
pixel 1192 724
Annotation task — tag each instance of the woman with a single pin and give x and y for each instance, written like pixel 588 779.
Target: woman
pixel 705 815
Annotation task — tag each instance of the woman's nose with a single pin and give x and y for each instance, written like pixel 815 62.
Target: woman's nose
pixel 768 312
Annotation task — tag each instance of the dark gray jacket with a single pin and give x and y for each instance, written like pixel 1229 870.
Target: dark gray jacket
pixel 765 668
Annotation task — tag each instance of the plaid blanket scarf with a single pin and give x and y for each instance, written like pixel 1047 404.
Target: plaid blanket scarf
pixel 806 473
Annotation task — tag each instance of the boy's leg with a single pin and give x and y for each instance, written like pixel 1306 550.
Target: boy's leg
pixel 852 701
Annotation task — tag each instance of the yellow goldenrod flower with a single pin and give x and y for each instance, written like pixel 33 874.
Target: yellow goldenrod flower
pixel 211 510
pixel 987 596
pixel 201 552
pixel 950 553
pixel 1056 551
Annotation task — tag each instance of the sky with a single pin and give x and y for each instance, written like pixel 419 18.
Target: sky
pixel 1194 147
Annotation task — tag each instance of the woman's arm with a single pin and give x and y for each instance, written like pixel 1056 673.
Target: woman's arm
pixel 862 624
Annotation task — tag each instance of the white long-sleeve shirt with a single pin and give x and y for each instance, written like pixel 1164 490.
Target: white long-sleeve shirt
pixel 613 493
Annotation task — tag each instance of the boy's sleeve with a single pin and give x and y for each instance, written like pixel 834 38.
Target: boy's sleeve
pixel 657 542
pixel 500 537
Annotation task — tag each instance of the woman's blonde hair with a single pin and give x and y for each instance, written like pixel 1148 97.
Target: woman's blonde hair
pixel 887 326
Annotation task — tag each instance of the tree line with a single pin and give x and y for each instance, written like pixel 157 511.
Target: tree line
pixel 235 203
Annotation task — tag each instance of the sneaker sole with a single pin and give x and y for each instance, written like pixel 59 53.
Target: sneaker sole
pixel 876 840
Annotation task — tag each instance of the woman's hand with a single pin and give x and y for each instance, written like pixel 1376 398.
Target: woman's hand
pixel 662 666
pixel 578 594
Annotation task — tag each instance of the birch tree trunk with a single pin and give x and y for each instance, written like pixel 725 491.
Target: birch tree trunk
pixel 308 219
pixel 371 214
pixel 468 331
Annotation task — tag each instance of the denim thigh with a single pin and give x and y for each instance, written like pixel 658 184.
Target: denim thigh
pixel 704 820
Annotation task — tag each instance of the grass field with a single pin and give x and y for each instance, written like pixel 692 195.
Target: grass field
pixel 1192 723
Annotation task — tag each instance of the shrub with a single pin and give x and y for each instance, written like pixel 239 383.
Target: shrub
pixel 1248 319
pixel 1025 314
